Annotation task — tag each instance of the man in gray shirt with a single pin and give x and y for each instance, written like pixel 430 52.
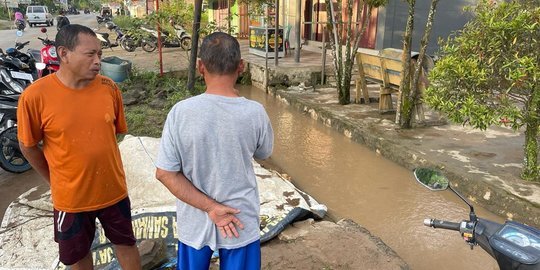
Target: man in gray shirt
pixel 205 160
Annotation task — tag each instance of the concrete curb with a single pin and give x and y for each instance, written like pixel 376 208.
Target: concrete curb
pixel 506 196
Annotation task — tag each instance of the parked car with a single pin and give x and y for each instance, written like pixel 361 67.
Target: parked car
pixel 39 15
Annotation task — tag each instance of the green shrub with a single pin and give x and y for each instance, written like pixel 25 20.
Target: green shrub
pixel 146 120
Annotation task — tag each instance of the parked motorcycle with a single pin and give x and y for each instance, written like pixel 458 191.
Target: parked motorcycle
pixel 48 56
pixel 28 58
pixel 11 157
pixel 130 43
pixel 15 75
pixel 20 24
pixel 101 20
pixel 515 246
pixel 183 36
pixel 105 42
pixel 180 39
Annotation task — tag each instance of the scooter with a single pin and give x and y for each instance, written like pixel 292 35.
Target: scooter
pixel 20 24
pixel 180 39
pixel 183 36
pixel 102 20
pixel 48 61
pixel 11 157
pixel 514 245
pixel 104 37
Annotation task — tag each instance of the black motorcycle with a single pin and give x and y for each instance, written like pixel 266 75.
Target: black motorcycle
pixel 15 75
pixel 101 20
pixel 11 157
pixel 514 245
pixel 20 24
pixel 31 57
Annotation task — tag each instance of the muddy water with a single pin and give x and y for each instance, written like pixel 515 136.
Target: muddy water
pixel 356 183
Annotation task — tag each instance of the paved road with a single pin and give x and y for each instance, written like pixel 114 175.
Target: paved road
pixel 31 33
pixel 13 185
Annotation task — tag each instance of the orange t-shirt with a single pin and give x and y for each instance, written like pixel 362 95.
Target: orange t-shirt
pixel 78 128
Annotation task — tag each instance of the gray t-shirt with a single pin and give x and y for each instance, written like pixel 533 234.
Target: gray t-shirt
pixel 212 139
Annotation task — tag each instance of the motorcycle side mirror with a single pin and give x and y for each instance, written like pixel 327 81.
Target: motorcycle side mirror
pixel 43 30
pixel 431 179
pixel 436 181
pixel 40 66
pixel 19 33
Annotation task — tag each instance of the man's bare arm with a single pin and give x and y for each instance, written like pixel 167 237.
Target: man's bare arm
pixel 222 215
pixel 35 156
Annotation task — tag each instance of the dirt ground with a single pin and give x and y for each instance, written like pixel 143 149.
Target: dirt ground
pixel 327 245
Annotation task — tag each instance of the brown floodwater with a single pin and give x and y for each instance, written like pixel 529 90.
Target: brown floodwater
pixel 356 183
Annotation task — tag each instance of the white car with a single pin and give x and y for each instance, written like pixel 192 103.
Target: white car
pixel 39 15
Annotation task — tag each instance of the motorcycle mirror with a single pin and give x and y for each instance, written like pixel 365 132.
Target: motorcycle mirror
pixel 431 179
pixel 43 30
pixel 435 180
pixel 40 66
pixel 19 33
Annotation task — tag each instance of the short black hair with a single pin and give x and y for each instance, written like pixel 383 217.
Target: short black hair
pixel 68 36
pixel 220 53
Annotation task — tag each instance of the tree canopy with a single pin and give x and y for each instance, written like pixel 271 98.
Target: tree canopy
pixel 489 73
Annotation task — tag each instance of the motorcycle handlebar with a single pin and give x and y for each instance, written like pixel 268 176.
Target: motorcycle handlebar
pixel 46 41
pixel 441 224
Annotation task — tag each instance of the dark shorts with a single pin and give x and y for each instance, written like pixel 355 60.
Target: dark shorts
pixel 74 232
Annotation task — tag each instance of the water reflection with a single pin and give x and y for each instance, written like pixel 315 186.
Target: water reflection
pixel 356 183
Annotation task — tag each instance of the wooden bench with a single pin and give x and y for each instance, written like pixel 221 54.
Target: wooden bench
pixel 383 68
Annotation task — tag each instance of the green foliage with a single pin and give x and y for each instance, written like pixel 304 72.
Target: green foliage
pixel 145 118
pixel 132 26
pixel 490 69
pixel 376 3
pixel 177 11
pixel 489 73
pixel 431 177
pixel 4 14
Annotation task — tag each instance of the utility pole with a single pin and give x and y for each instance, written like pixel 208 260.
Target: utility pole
pixel 276 34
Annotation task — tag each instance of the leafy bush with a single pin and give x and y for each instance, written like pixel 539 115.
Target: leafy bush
pixel 489 73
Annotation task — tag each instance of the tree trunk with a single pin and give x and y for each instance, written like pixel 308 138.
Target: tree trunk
pixel 415 95
pixel 345 91
pixel 530 162
pixel 343 67
pixel 336 44
pixel 194 45
pixel 404 104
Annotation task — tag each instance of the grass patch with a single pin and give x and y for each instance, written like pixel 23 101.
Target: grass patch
pixel 5 25
pixel 155 97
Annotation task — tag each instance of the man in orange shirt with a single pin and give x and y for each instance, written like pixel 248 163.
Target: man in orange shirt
pixel 77 113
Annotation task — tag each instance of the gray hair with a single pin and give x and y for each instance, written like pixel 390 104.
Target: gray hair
pixel 220 53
